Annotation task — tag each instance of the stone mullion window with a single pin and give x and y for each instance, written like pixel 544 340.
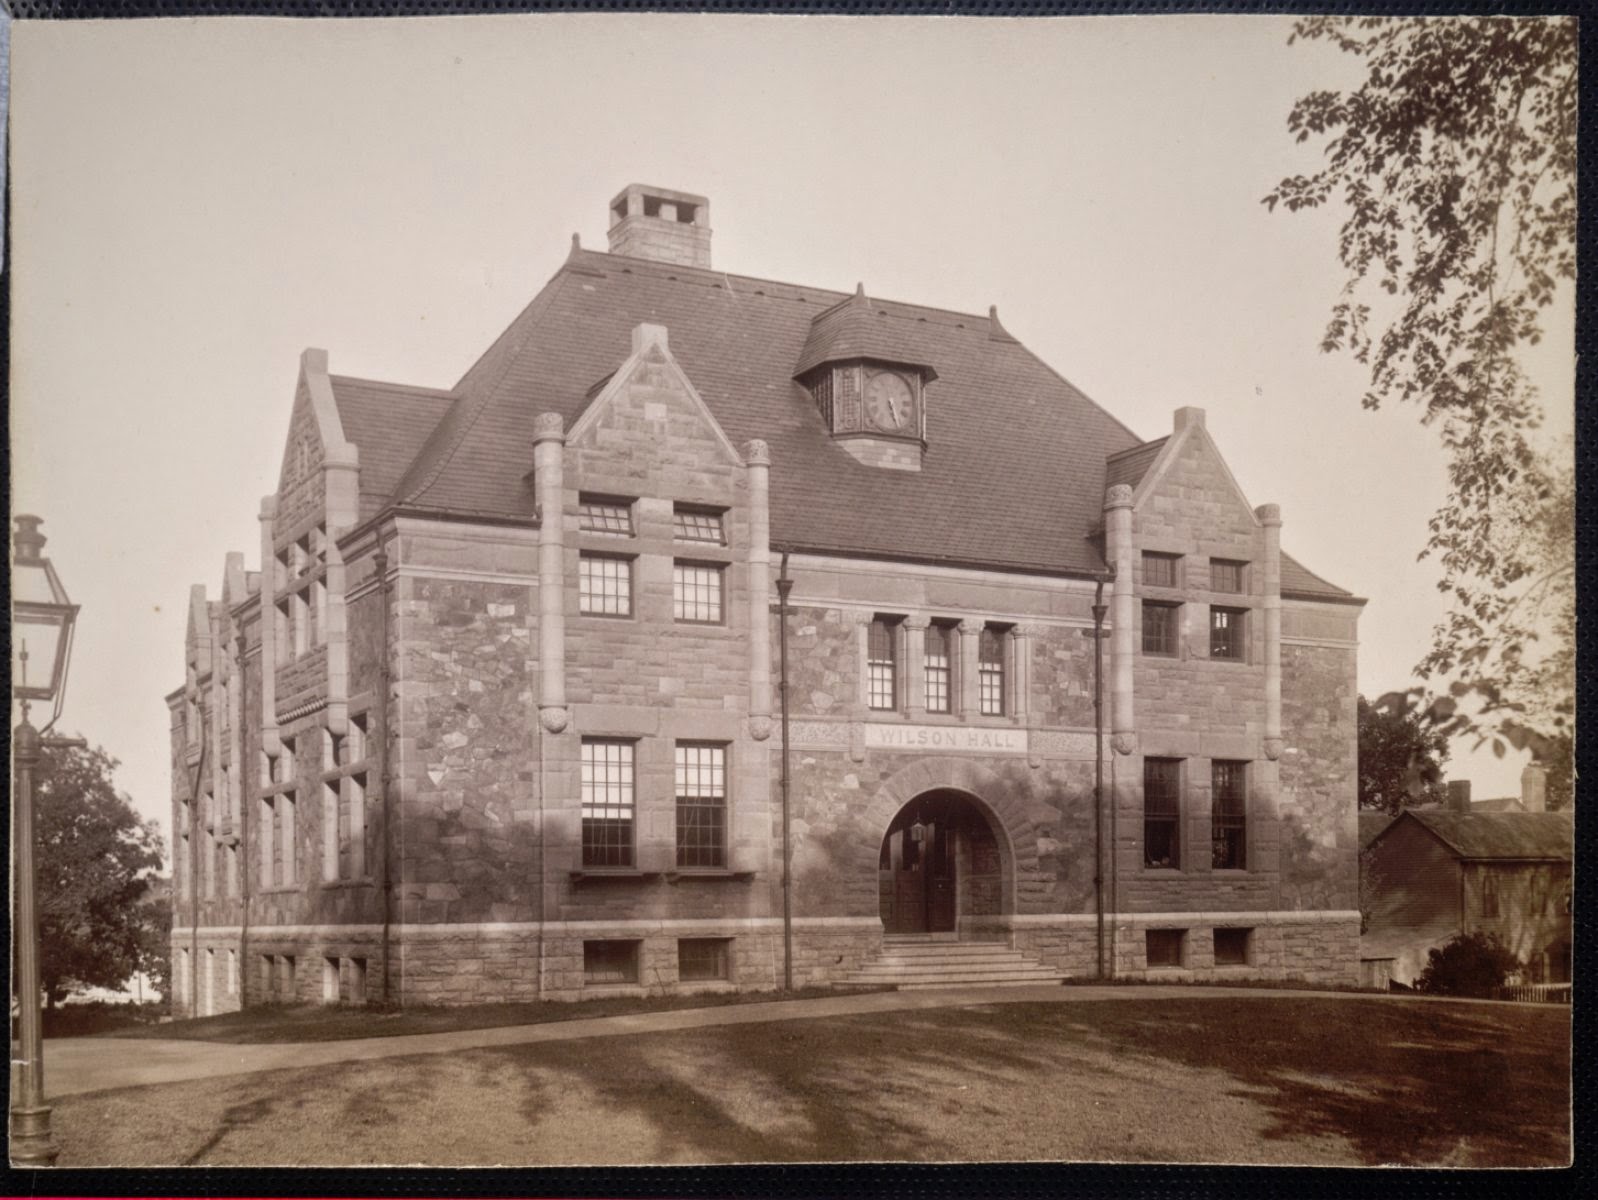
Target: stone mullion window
pixel 276 834
pixel 991 700
pixel 937 667
pixel 344 803
pixel 1228 627
pixel 608 803
pixel 700 772
pixel 300 595
pixel 882 664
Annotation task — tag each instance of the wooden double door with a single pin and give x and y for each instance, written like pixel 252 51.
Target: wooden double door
pixel 918 867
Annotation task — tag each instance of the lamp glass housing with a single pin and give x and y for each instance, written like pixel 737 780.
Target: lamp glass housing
pixel 41 628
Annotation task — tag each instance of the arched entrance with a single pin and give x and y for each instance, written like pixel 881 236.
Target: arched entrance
pixel 940 861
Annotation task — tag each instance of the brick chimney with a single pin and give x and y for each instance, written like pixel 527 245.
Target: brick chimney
pixel 1534 788
pixel 1458 795
pixel 660 224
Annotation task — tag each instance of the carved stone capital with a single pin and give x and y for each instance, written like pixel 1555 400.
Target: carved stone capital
pixel 757 453
pixel 1273 748
pixel 914 622
pixel 1118 496
pixel 554 720
pixel 549 427
pixel 1124 743
pixel 860 618
pixel 1026 631
pixel 970 627
pixel 759 727
pixel 1269 514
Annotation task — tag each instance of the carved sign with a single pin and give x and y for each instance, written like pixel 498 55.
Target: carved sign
pixel 946 737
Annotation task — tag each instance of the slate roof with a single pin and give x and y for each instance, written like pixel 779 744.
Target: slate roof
pixel 389 423
pixel 1015 467
pixel 1506 835
pixel 1129 466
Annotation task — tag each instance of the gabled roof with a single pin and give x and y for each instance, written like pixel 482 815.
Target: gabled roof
pixel 1129 466
pixel 1506 835
pixel 1016 460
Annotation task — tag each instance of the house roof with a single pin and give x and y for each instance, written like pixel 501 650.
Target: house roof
pixel 389 423
pixel 1371 824
pixel 1505 835
pixel 1016 460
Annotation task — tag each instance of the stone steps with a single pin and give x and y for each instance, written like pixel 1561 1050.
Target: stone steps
pixel 923 963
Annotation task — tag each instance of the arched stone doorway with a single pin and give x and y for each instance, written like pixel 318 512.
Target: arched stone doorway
pixel 941 861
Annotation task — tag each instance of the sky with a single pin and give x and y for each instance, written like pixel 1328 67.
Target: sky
pixel 196 201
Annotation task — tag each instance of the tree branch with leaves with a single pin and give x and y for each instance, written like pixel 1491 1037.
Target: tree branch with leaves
pixel 1455 161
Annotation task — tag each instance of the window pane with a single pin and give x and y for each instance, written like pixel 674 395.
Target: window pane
pixel 990 672
pixel 1231 947
pixel 1163 947
pixel 1159 570
pixel 1225 575
pixel 604 516
pixel 1226 633
pixel 936 644
pixel 881 665
pixel 701 773
pixel 1228 815
pixel 607 803
pixel 703 958
pixel 605 586
pixel 697 525
pixel 1159 628
pixel 696 593
pixel 610 962
pixel 1162 812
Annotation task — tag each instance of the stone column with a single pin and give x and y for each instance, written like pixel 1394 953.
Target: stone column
pixel 757 456
pixel 271 743
pixel 862 696
pixel 1021 670
pixel 340 478
pixel 915 638
pixel 1271 567
pixel 549 453
pixel 1118 549
pixel 213 821
pixel 970 692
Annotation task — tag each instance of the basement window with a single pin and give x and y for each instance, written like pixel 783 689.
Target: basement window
pixel 1163 947
pixel 703 959
pixel 1231 947
pixel 610 962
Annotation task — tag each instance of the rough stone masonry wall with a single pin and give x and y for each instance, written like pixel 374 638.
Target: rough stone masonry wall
pixel 1319 778
pixel 467 835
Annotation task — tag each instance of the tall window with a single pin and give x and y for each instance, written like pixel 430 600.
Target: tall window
pixel 691 524
pixel 1159 628
pixel 990 671
pixel 607 801
pixel 701 805
pixel 1228 815
pixel 604 585
pixel 882 664
pixel 1226 575
pixel 1162 812
pixel 1226 632
pixel 696 593
pixel 1159 570
pixel 936 642
pixel 301 572
pixel 599 514
pixel 276 833
pixel 344 803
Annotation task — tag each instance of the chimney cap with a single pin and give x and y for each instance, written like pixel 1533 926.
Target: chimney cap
pixel 1189 415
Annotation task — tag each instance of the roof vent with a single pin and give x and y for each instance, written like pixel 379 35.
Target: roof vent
pixel 662 225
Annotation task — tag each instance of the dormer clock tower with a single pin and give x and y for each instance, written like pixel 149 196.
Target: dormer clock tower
pixel 865 377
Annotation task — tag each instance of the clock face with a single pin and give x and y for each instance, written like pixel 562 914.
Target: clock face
pixel 889 401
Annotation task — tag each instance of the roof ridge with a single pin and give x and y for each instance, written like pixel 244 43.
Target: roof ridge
pixel 478 399
pixel 421 389
pixel 1140 446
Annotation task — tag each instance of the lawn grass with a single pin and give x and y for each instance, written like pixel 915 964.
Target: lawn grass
pixel 274 1023
pixel 1256 1079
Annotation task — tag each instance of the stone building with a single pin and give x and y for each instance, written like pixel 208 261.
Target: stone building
pixel 498 715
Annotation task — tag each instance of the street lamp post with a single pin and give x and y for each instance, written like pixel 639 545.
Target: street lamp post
pixel 42 620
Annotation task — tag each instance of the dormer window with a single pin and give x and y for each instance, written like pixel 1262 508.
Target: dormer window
pixel 690 524
pixel 601 514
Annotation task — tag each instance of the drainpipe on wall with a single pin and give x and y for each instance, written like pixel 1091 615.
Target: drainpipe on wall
pixel 380 565
pixel 195 824
pixel 1098 762
pixel 245 808
pixel 784 587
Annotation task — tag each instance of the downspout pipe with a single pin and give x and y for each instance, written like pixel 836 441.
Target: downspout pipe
pixel 784 587
pixel 1099 610
pixel 380 565
pixel 196 821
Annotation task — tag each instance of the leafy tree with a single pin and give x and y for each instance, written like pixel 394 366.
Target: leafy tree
pixel 94 856
pixel 1456 162
pixel 1401 754
pixel 155 937
pixel 1471 964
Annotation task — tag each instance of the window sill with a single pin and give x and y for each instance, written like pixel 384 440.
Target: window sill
pixel 674 874
pixel 1164 872
pixel 1231 872
pixel 578 874
pixel 293 889
pixel 336 884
